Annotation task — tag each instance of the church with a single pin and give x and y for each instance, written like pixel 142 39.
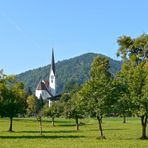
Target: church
pixel 46 89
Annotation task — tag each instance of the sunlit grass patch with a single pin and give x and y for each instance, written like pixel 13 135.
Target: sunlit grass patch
pixel 27 135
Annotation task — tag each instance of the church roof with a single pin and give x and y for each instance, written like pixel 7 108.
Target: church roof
pixel 46 83
pixel 52 62
pixel 42 85
pixel 55 98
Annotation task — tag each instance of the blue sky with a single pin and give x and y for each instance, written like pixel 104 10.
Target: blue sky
pixel 29 29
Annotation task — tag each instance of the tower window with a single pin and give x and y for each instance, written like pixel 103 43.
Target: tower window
pixel 52 77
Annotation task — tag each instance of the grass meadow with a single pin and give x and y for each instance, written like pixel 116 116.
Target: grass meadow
pixel 64 135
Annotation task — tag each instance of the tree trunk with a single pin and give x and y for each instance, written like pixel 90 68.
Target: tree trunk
pixel 100 127
pixel 144 124
pixel 10 127
pixel 77 123
pixel 53 121
pixel 124 118
pixel 40 120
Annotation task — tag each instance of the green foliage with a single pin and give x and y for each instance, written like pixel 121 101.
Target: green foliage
pixel 135 52
pixel 13 96
pixel 73 108
pixel 71 87
pixel 67 71
pixel 2 86
pixel 39 111
pixel 31 105
pixel 137 85
pixel 122 106
pixel 54 110
pixel 39 107
pixel 97 90
pixel 29 92
pixel 135 49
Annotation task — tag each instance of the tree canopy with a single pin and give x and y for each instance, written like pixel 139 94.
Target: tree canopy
pixel 134 49
pixel 97 90
pixel 12 98
pixel 134 53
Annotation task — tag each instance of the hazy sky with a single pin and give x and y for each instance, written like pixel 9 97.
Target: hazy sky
pixel 29 29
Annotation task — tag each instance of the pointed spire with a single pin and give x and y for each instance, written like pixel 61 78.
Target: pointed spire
pixel 52 62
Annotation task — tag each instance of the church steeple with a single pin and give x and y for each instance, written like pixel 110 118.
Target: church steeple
pixel 52 78
pixel 52 62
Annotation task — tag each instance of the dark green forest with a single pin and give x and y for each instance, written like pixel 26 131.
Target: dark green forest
pixel 71 70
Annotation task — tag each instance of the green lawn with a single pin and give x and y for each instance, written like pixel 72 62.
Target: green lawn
pixel 63 135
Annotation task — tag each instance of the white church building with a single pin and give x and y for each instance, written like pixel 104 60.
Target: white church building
pixel 47 88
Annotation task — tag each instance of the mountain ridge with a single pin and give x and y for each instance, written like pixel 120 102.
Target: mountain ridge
pixel 74 69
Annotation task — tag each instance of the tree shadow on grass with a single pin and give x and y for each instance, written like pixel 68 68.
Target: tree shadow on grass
pixel 60 121
pixel 59 131
pixel 44 120
pixel 109 129
pixel 73 124
pixel 39 137
pixel 67 125
pixel 115 129
pixel 131 138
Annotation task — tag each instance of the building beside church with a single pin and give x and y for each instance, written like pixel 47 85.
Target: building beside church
pixel 46 89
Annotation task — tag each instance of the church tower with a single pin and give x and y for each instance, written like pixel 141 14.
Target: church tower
pixel 52 78
pixel 47 88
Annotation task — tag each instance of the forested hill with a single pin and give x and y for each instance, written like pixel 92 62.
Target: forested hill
pixel 75 69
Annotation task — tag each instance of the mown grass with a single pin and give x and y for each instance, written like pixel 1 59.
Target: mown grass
pixel 26 134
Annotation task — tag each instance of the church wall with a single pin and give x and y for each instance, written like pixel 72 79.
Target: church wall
pixel 42 93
